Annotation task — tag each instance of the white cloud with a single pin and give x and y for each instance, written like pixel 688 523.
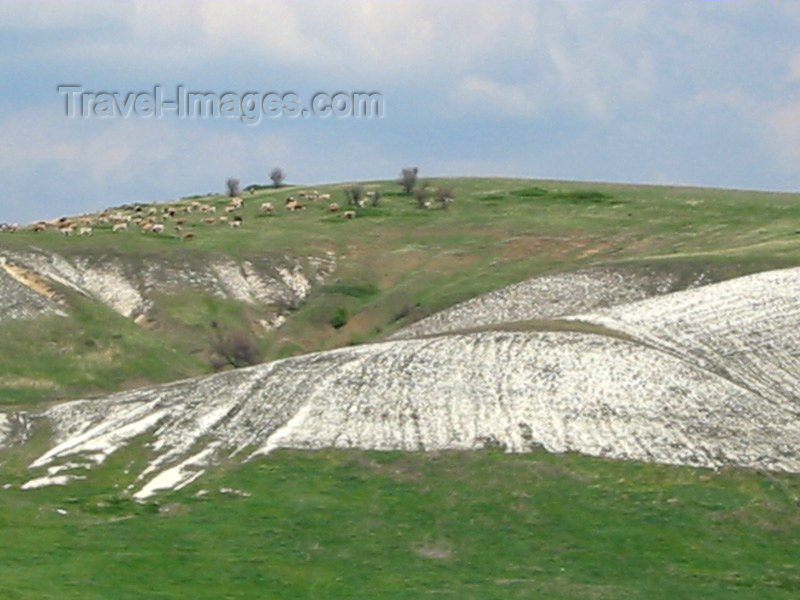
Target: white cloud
pixel 269 29
pixel 58 15
pixel 490 97
pixel 565 48
pixel 783 133
pixel 367 38
pixel 102 159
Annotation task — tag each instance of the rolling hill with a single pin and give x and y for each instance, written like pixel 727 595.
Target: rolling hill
pixel 493 361
pixel 705 377
pixel 151 308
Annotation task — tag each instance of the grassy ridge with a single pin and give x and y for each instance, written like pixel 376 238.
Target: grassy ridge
pixel 396 263
pixel 480 525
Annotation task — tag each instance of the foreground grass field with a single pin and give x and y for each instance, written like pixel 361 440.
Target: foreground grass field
pixel 479 525
pixel 395 264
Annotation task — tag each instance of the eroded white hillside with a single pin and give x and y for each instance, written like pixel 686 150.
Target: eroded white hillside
pixel 18 300
pixel 746 329
pixel 15 429
pixel 704 377
pixel 555 295
pixel 130 284
pixel 5 429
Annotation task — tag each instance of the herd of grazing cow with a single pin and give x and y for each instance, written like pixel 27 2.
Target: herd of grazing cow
pixel 155 220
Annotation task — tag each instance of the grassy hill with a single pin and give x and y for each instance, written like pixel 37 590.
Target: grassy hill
pixel 395 263
pixel 356 524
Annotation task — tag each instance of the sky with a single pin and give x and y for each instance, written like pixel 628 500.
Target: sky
pixel 695 92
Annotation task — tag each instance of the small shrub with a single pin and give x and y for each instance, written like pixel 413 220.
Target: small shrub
pixel 355 195
pixel 404 312
pixel 238 350
pixel 422 195
pixel 445 196
pixel 218 362
pixel 339 318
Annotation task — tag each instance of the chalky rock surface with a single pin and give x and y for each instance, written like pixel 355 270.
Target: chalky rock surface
pixel 14 429
pixel 18 301
pixel 130 284
pixel 746 330
pixel 557 295
pixel 705 377
pixel 5 428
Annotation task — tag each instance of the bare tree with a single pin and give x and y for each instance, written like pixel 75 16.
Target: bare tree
pixel 422 196
pixel 233 186
pixel 408 179
pixel 355 195
pixel 445 196
pixel 376 197
pixel 277 176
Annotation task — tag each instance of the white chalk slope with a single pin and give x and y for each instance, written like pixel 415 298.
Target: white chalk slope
pixel 131 284
pixel 556 295
pixel 18 301
pixel 706 377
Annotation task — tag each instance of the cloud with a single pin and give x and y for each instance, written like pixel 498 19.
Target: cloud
pixel 491 97
pixel 783 133
pixel 369 42
pixel 528 57
pixel 352 39
pixel 361 38
pixel 107 162
pixel 49 15
pixel 257 28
